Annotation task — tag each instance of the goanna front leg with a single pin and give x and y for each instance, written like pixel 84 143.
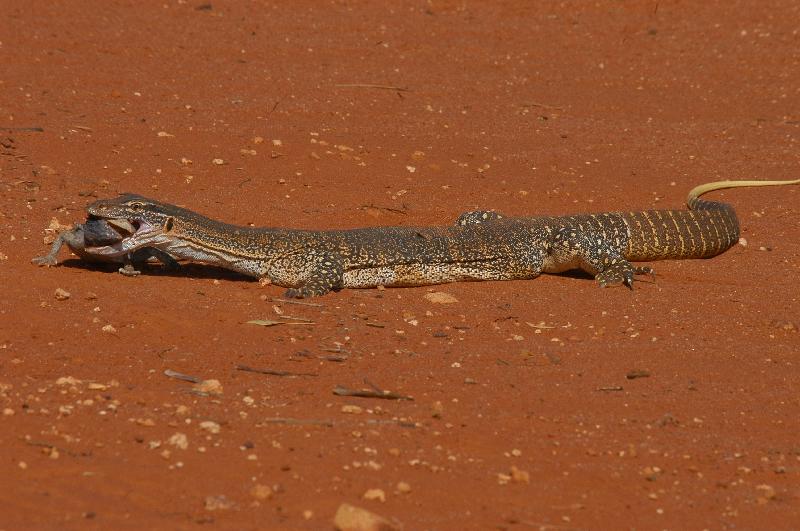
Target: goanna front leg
pixel 478 216
pixel 324 275
pixel 595 255
pixel 135 260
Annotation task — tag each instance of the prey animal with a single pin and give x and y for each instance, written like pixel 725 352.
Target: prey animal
pixel 99 233
pixel 482 245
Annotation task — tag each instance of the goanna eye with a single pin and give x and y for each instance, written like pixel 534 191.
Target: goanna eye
pixel 136 207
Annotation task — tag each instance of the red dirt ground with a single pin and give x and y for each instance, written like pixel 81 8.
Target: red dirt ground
pixel 528 108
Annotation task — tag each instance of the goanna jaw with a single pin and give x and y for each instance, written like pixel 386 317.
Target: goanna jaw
pixel 142 224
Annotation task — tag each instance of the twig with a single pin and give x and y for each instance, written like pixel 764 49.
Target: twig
pixel 292 318
pixel 375 325
pixel 300 422
pixel 369 383
pixel 337 350
pixel 373 85
pixel 272 372
pixel 542 105
pixel 290 301
pixel 181 376
pixel 401 423
pixel 337 359
pixel 388 209
pixel 25 129
pixel 366 393
pixel 610 388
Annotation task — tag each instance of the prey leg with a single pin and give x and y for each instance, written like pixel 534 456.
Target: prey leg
pixel 72 238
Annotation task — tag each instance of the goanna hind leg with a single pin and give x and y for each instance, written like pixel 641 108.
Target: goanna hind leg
pixel 139 257
pixel 324 276
pixel 594 254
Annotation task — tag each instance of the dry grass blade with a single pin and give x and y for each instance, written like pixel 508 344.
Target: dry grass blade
pixel 181 376
pixel 273 372
pixel 367 393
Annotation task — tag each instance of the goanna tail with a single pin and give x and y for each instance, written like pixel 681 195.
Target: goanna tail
pixel 705 230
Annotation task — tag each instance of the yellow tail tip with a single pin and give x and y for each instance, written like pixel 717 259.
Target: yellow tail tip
pixel 697 191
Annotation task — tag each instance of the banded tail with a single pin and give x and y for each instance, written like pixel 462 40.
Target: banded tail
pixel 707 229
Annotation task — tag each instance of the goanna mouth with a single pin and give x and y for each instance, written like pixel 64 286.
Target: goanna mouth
pixel 111 233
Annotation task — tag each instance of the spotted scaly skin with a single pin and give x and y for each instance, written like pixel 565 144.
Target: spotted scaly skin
pixel 482 245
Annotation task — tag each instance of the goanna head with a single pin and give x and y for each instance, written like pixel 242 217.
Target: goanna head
pixel 149 221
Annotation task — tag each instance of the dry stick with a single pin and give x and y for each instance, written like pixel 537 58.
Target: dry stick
pixel 286 420
pixel 290 301
pixel 542 105
pixel 181 376
pixel 366 393
pixel 293 318
pixel 369 383
pixel 272 372
pixel 373 85
pixel 388 209
pixel 24 129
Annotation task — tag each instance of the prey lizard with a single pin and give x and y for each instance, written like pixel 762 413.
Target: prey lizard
pixel 98 233
pixel 482 245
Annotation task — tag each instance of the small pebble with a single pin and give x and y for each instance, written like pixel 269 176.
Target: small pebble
pixel 351 518
pixel 210 426
pixel 218 503
pixel 261 492
pixel 62 294
pixel 374 494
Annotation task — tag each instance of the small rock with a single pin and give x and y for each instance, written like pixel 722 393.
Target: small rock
pixel 351 518
pixel 62 294
pixel 520 476
pixel 109 329
pixel 403 487
pixel 179 440
pixel 440 297
pixel 352 409
pixel 210 426
pixel 374 494
pixel 218 162
pixel 67 380
pixel 211 387
pixel 766 492
pixel 261 492
pixel 218 503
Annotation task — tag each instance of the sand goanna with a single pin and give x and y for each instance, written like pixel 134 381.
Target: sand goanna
pixel 482 245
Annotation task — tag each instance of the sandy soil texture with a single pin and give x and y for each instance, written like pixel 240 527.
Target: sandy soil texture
pixel 548 404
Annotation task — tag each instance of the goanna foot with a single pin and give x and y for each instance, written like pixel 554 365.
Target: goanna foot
pixel 304 292
pixel 622 273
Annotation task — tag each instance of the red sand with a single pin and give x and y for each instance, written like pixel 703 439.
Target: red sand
pixel 526 108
